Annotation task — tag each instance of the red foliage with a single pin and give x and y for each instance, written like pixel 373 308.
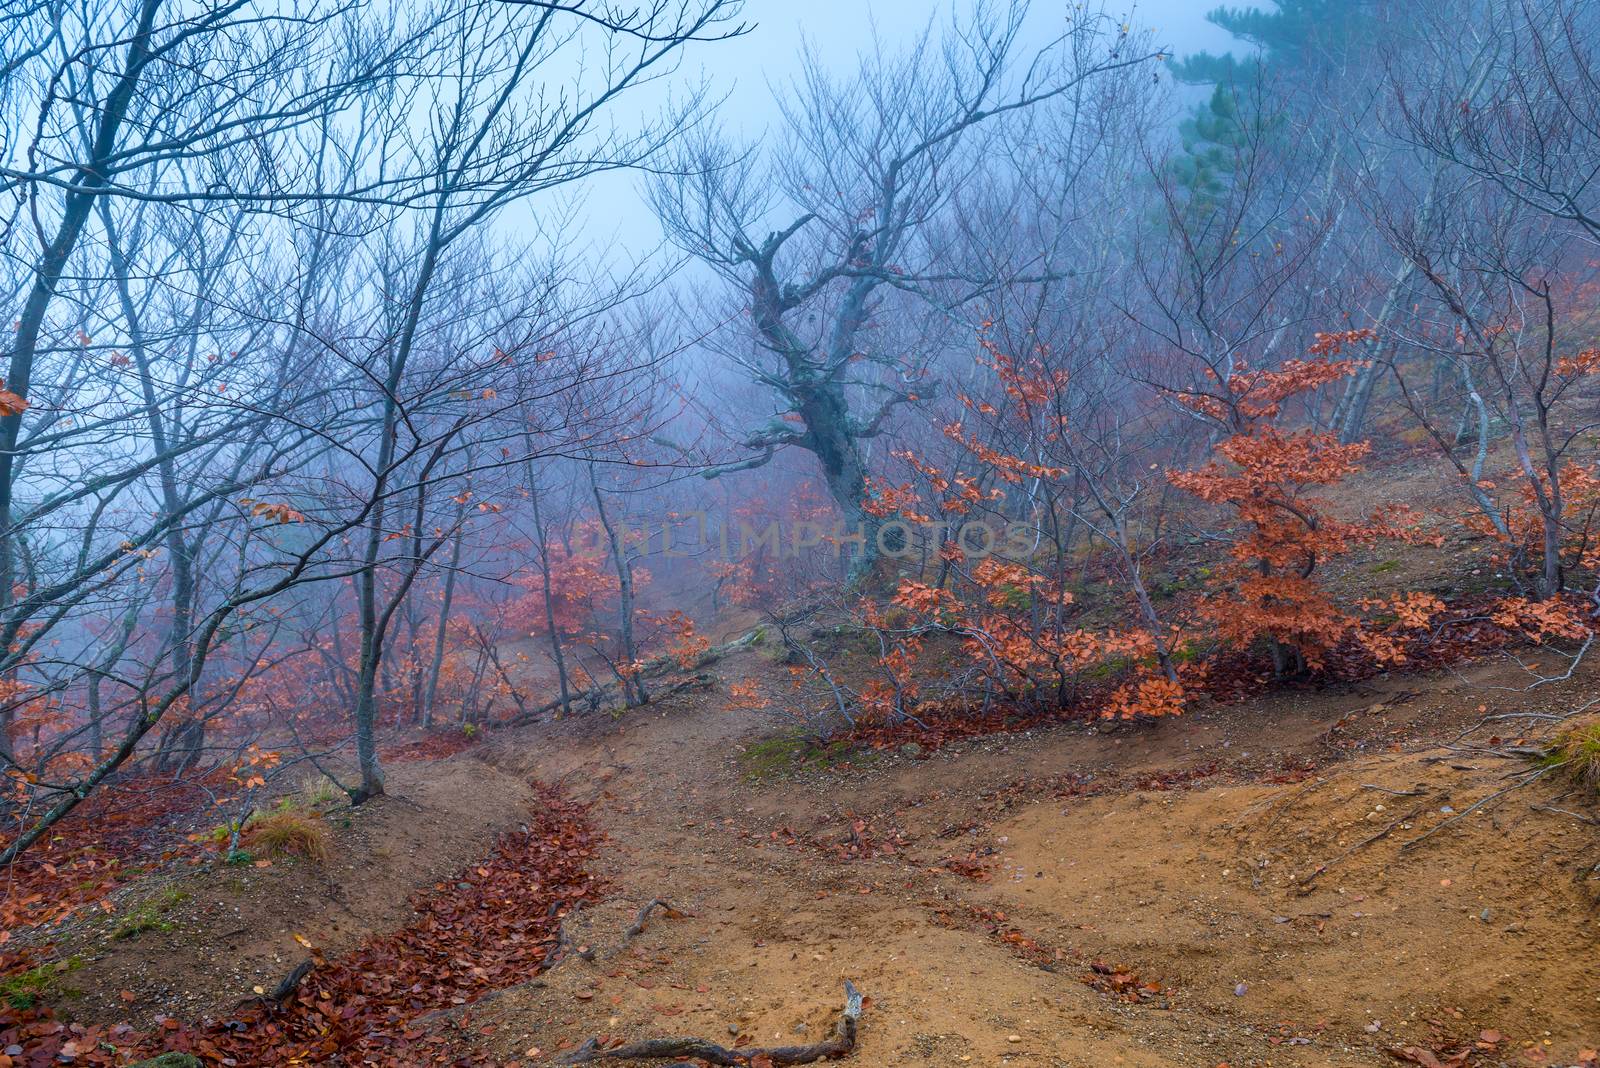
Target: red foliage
pixel 1266 477
pixel 584 586
pixel 1458 632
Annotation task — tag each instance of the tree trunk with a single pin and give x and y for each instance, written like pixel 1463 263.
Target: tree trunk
pixel 556 654
pixel 844 470
pixel 366 714
pixel 180 745
pixel 633 688
pixel 437 663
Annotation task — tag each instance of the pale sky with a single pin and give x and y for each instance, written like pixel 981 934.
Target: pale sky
pixel 747 69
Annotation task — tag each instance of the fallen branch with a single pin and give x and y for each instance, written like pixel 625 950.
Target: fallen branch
pixel 841 1044
pixel 671 911
pixel 594 695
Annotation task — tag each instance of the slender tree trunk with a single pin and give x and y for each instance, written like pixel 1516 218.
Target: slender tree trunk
pixel 180 745
pixel 365 710
pixel 367 577
pixel 556 654
pixel 633 688
pixel 1351 413
pixel 96 734
pixel 437 663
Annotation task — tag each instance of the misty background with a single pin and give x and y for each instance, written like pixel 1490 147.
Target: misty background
pixel 748 75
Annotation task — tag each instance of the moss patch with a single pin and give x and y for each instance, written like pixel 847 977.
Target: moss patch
pixel 149 914
pixel 24 989
pixel 793 751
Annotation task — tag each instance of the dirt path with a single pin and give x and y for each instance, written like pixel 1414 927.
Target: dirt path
pixel 1241 886
pixel 1175 858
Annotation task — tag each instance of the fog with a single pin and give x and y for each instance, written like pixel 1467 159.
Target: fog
pixel 396 371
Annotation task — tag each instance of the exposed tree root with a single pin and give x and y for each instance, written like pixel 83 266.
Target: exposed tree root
pixel 566 944
pixel 840 1045
pixel 668 909
pixel 1305 884
pixel 1580 817
pixel 1475 806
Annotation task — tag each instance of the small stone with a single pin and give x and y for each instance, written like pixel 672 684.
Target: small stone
pixel 1239 990
pixel 1486 915
pixel 1013 1038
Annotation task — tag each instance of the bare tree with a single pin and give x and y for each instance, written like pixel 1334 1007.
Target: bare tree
pixel 864 169
pixel 259 351
pixel 493 145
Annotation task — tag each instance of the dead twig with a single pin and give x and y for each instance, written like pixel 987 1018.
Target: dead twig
pixel 841 1044
pixel 668 909
pixel 1418 792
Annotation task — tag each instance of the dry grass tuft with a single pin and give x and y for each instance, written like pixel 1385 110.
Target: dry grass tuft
pixel 288 833
pixel 318 791
pixel 1577 752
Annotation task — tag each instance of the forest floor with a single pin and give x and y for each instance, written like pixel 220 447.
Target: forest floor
pixel 1298 879
pixel 1090 896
